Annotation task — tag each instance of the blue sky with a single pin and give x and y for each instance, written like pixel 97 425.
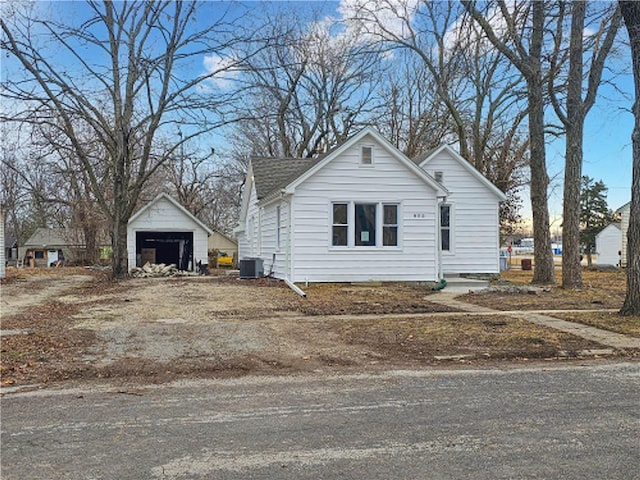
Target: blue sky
pixel 607 142
pixel 607 148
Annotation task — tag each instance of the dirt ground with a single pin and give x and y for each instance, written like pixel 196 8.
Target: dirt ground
pixel 76 324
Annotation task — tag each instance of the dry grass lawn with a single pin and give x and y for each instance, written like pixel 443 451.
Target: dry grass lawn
pixel 76 324
pixel 602 290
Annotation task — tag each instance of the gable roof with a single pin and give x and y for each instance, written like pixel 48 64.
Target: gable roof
pixel 273 174
pixel 176 204
pixel 628 204
pixel 224 235
pixel 45 237
pixel 335 152
pixel 426 158
pixel 617 225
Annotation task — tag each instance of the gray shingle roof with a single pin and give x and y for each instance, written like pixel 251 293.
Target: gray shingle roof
pixel 45 237
pixel 272 174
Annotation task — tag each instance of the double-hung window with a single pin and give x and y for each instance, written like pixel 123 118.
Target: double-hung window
pixel 357 224
pixel 390 225
pixel 445 228
pixel 340 225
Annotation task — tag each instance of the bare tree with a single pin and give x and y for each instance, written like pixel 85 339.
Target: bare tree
pixel 574 114
pixel 522 23
pixel 127 74
pixel 414 119
pixel 307 89
pixel 631 14
pixel 482 98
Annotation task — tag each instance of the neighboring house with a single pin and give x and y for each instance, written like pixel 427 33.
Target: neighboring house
pixel 163 231
pixel 365 212
pixel 220 242
pixel 625 214
pixel 48 246
pixel 10 248
pixel 609 245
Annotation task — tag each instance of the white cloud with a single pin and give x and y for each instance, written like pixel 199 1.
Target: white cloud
pixel 379 17
pixel 223 70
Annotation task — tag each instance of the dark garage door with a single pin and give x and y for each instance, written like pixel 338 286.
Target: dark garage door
pixel 166 247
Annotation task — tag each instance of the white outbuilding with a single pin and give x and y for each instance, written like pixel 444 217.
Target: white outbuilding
pixel 609 245
pixel 163 231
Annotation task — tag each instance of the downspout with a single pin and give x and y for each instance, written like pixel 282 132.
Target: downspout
pixel 294 287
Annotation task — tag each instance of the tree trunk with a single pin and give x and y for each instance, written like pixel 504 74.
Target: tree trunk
pixel 119 258
pixel 571 269
pixel 574 122
pixel 543 256
pixel 631 14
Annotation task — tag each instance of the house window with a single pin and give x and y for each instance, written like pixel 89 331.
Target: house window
pixel 278 227
pixel 365 215
pixel 365 224
pixel 445 228
pixel 340 226
pixel 367 156
pixel 439 176
pixel 390 225
pixel 39 254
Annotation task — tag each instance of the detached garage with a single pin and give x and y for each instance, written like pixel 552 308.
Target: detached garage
pixel 163 231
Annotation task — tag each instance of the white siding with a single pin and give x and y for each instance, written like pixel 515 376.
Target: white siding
pixel 475 237
pixel 274 256
pixel 163 216
pixel 608 244
pixel 344 180
pixel 248 240
pixel 625 216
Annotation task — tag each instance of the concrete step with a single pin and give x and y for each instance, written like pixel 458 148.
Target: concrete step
pixel 464 284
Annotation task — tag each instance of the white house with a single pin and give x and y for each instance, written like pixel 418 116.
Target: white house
pixel 625 215
pixel 365 212
pixel 163 231
pixel 608 244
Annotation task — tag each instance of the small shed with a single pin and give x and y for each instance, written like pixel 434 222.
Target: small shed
pixel 48 246
pixel 163 231
pixel 609 245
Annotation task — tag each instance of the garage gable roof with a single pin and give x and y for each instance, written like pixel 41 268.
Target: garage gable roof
pixel 176 204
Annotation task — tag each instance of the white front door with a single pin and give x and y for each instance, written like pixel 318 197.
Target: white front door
pixel 52 257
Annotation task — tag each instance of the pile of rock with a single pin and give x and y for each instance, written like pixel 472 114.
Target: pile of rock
pixel 159 270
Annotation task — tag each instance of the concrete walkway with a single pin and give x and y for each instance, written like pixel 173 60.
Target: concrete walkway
pixel 604 337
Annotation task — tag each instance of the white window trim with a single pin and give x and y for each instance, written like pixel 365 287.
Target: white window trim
pixel 331 225
pixel 351 226
pixel 396 225
pixel 452 243
pixel 367 165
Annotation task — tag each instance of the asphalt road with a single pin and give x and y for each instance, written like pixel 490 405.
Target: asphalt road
pixel 568 422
